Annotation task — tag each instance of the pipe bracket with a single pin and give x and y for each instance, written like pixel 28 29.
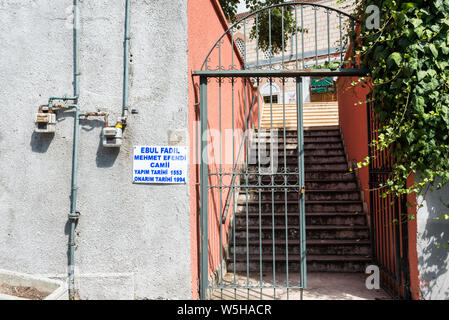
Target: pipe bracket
pixel 74 216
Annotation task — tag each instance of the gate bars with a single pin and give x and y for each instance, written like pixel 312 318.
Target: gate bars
pixel 316 39
pixel 224 184
pixel 389 220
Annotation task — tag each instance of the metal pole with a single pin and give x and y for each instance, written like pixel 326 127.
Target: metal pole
pixel 302 215
pixel 204 190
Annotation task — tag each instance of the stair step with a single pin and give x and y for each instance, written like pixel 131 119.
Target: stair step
pixel 308 258
pixel 308 228
pixel 280 180
pixel 307 145
pixel 340 232
pixel 266 219
pixel 315 263
pixel 308 214
pixel 319 242
pixel 308 202
pixel 310 207
pixel 313 247
pixel 280 195
pixel 294 140
pixel 296 192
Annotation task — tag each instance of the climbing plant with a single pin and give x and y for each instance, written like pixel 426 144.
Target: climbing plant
pixel 407 56
pixel 408 62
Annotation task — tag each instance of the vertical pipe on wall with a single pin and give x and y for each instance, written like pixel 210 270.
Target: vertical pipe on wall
pixel 76 71
pixel 73 216
pixel 126 60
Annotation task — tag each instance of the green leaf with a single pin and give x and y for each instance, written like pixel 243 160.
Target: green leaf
pixel 421 75
pixel 434 50
pixel 408 5
pixel 395 57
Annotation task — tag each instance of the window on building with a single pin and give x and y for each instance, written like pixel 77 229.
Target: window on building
pixel 267 100
pixel 270 92
pixel 241 45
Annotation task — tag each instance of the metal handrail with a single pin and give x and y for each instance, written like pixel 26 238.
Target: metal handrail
pixel 224 216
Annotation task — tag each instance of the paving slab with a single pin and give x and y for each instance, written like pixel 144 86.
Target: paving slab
pixel 320 286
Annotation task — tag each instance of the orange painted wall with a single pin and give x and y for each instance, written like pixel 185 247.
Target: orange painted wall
pixel 206 23
pixel 412 244
pixel 353 123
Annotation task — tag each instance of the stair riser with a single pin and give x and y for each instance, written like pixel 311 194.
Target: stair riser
pixel 294 140
pixel 320 133
pixel 279 179
pixel 294 250
pixel 325 234
pixel 294 133
pixel 293 146
pixel 349 267
pixel 292 160
pixel 324 160
pixel 293 207
pixel 322 139
pixel 327 166
pixel 310 185
pixel 327 185
pixel 346 176
pixel 309 166
pixel 279 153
pixel 294 196
pixel 279 220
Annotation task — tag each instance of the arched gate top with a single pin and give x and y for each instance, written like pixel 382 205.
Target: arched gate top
pixel 287 39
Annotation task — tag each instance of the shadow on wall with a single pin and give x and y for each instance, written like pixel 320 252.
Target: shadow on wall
pixel 434 258
pixel 41 142
pixel 105 156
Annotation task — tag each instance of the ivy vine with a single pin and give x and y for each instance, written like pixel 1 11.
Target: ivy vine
pixel 408 63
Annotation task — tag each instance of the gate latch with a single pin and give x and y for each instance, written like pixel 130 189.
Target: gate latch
pixel 303 190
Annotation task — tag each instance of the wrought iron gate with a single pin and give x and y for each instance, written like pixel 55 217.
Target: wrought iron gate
pixel 389 220
pixel 252 189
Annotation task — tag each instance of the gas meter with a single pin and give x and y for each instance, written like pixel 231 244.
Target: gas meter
pixel 112 137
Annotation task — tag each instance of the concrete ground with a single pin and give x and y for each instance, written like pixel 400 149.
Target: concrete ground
pixel 320 286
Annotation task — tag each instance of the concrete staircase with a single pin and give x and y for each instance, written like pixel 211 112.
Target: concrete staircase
pixel 337 236
pixel 316 114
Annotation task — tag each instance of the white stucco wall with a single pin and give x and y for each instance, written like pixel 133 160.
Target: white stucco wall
pixel 133 240
pixel 433 245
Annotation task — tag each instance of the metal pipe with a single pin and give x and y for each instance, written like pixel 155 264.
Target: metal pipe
pixel 204 256
pixel 65 98
pixel 74 215
pixel 126 61
pixel 76 71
